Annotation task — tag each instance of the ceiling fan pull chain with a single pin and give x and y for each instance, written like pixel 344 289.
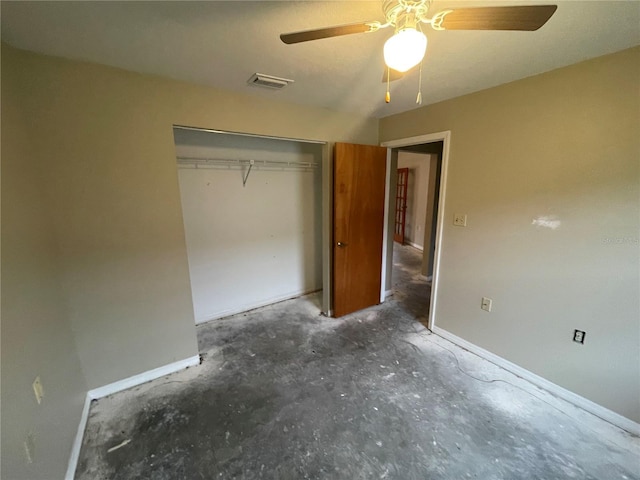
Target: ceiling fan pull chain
pixel 419 98
pixel 387 97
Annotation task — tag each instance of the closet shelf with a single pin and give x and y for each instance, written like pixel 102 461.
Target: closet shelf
pixel 201 162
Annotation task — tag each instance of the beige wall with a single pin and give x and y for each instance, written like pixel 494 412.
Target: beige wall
pixel 37 339
pixel 97 194
pixel 105 145
pixel 558 147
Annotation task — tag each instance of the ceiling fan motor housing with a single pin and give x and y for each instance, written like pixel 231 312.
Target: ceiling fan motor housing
pixel 405 14
pixel 404 21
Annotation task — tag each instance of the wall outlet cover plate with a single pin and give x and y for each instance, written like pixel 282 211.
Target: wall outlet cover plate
pixel 38 389
pixel 460 219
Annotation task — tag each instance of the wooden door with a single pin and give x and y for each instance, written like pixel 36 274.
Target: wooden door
pixel 401 205
pixel 358 216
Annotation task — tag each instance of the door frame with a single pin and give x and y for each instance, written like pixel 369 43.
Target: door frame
pixel 327 229
pixel 387 246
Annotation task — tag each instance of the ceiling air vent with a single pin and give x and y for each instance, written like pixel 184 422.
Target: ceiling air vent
pixel 269 81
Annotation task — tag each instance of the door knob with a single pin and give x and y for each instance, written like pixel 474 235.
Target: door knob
pixel 340 244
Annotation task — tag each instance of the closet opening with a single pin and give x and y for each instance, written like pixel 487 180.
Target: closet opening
pixel 253 218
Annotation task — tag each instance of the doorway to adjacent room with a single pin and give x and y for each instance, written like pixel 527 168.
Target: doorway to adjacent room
pixel 415 196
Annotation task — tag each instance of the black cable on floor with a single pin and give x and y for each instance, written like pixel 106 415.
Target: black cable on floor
pixel 516 386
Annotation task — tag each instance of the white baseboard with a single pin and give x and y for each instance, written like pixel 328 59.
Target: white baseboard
pixel 77 443
pixel 388 293
pixel 416 246
pixel 114 388
pixel 143 377
pixel 251 306
pixel 581 402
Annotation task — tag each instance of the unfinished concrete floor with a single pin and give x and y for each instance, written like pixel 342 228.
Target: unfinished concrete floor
pixel 284 393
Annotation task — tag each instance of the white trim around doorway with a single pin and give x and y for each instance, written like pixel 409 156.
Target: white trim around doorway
pixel 444 137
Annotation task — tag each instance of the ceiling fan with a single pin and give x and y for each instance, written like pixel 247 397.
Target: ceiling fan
pixel 407 46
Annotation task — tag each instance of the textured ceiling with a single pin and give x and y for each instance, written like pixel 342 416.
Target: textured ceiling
pixel 222 43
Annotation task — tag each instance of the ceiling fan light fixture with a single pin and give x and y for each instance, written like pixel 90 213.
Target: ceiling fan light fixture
pixel 405 49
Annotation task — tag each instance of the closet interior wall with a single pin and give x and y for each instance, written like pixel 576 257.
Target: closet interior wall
pixel 249 243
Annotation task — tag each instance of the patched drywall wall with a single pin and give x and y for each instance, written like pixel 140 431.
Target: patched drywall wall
pixel 547 171
pixel 256 243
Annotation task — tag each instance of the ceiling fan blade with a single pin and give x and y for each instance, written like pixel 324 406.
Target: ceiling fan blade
pixel 527 18
pixel 328 32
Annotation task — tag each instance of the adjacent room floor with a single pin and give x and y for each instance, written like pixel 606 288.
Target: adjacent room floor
pixel 285 393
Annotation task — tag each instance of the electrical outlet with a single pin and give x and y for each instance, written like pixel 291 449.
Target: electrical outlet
pixel 578 336
pixel 486 304
pixel 38 389
pixel 29 447
pixel 460 219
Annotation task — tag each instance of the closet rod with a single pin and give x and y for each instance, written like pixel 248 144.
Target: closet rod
pixel 254 135
pixel 236 161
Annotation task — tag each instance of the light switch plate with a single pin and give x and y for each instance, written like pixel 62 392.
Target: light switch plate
pixel 486 304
